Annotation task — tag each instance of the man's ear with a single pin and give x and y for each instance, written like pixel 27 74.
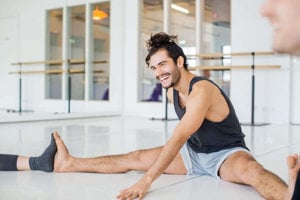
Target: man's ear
pixel 180 61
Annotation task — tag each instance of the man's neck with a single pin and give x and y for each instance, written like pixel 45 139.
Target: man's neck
pixel 184 83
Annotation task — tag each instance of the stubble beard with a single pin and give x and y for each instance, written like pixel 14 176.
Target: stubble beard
pixel 169 86
pixel 173 82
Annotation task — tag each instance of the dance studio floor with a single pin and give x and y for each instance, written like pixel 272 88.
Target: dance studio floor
pixel 114 135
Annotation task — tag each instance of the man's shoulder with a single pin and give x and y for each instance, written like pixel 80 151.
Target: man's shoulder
pixel 203 84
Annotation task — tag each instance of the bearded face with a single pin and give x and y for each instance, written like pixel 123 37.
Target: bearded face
pixel 164 69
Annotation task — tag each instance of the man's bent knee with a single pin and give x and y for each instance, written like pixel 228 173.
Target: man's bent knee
pixel 240 167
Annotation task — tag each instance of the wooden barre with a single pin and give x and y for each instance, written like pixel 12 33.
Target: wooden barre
pixel 99 61
pixel 71 71
pixel 225 55
pixel 59 62
pixel 51 62
pixel 234 67
pixel 82 61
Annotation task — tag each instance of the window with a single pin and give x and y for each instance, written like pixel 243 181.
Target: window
pixel 89 74
pixel 77 51
pixel 54 52
pixel 101 52
pixel 182 24
pixel 195 36
pixel 150 89
pixel 217 39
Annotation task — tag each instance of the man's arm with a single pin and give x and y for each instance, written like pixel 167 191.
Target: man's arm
pixel 197 106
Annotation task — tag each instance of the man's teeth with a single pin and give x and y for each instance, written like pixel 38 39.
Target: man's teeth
pixel 164 78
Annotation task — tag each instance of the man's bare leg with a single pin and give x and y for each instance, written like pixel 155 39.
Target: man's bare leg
pixel 23 163
pixel 138 160
pixel 242 168
pixel 294 166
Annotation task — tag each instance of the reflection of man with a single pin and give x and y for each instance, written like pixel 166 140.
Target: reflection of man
pixel 208 139
pixel 284 15
pixel 156 93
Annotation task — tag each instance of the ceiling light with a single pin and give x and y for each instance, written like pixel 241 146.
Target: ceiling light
pixel 179 8
pixel 99 14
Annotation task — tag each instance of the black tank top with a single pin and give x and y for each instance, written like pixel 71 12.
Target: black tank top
pixel 213 136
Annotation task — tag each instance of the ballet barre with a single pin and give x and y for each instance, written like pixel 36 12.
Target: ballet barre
pixel 68 71
pixel 214 56
pixel 229 67
pixel 54 71
pixel 58 62
pixel 47 62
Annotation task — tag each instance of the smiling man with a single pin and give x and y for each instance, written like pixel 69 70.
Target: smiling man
pixel 208 139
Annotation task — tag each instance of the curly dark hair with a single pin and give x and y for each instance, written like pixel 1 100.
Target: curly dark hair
pixel 162 40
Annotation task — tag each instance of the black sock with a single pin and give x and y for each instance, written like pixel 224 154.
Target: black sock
pixel 45 161
pixel 296 195
pixel 8 162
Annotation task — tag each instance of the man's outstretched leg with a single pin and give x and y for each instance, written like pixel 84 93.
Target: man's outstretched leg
pixel 241 167
pixel 44 162
pixel 294 176
pixel 140 160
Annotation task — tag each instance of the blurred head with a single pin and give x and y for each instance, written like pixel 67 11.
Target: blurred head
pixel 284 15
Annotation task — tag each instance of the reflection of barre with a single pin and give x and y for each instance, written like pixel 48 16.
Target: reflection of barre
pixel 234 67
pixel 59 62
pixel 71 71
pixel 208 56
pixel 82 61
pixel 68 62
pixel 50 62
pixel 99 61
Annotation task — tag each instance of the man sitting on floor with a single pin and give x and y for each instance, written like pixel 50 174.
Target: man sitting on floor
pixel 208 139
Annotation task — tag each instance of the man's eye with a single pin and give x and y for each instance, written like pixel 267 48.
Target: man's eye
pixel 163 64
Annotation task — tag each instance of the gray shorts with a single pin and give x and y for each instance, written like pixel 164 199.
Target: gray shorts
pixel 205 163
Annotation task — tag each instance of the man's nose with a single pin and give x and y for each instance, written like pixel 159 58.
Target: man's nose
pixel 158 72
pixel 265 8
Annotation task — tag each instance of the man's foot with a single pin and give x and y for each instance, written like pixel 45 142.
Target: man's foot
pixel 293 167
pixel 63 158
pixel 45 161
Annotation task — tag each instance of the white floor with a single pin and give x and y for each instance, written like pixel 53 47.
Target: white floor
pixel 113 135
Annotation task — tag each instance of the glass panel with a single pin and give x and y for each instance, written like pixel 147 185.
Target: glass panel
pixel 101 51
pixel 182 24
pixel 216 37
pixel 54 52
pixel 77 51
pixel 151 22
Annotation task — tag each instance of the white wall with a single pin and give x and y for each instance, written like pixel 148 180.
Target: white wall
pixel 8 46
pixel 251 32
pixel 22 38
pixel 295 91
